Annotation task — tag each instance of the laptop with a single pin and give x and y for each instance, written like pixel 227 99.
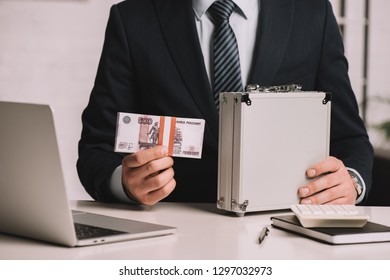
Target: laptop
pixel 33 198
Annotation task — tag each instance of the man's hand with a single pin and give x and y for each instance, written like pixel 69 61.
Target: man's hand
pixel 148 175
pixel 333 186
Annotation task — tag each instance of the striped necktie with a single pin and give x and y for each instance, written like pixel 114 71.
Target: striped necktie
pixel 227 72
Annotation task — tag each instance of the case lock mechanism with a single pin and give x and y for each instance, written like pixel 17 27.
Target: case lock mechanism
pixel 253 88
pixel 281 88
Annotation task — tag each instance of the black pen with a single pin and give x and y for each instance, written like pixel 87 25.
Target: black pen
pixel 264 232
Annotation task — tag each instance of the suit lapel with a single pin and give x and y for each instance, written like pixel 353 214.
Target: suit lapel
pixel 176 18
pixel 274 28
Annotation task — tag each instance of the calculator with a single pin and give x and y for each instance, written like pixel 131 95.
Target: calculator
pixel 330 215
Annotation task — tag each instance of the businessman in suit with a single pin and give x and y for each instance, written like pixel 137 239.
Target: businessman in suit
pixel 156 59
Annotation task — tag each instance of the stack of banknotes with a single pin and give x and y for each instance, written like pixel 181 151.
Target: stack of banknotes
pixel 182 136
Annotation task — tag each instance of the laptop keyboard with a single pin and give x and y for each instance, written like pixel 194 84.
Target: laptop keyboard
pixel 86 231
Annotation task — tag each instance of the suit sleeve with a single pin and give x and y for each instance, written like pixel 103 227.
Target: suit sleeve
pixel 112 92
pixel 349 139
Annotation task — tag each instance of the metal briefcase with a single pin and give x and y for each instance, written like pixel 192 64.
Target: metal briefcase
pixel 268 137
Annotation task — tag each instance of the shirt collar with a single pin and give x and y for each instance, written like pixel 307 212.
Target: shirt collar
pixel 245 7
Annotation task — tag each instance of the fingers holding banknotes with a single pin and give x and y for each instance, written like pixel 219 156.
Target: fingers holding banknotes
pixel 148 175
pixel 332 184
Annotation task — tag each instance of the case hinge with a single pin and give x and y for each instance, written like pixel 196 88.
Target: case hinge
pixel 245 98
pixel 328 97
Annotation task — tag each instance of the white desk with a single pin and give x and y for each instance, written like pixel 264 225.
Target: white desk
pixel 203 233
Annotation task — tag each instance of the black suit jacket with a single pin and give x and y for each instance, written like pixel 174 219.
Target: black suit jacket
pixel 152 63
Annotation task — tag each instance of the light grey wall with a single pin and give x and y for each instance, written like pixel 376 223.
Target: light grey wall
pixel 378 71
pixel 378 107
pixel 49 52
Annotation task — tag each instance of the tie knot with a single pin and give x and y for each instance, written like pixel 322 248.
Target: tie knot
pixel 221 10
